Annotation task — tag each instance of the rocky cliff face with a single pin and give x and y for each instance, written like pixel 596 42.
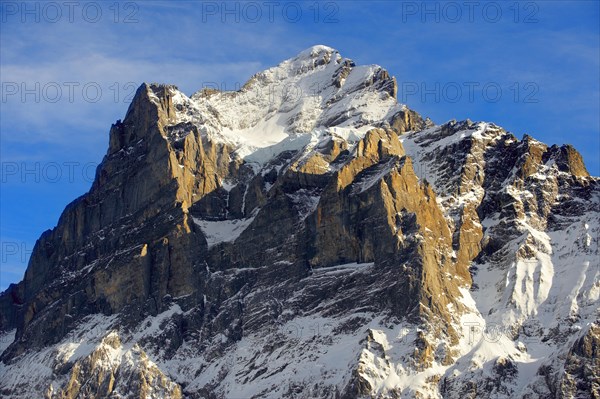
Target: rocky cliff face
pixel 308 236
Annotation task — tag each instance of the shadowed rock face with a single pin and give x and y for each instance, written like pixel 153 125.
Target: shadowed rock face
pixel 326 245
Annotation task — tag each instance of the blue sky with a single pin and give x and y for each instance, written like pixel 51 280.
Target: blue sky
pixel 68 72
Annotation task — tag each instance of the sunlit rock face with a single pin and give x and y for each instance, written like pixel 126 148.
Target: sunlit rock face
pixel 308 236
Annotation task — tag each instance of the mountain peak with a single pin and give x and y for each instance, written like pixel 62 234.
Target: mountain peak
pixel 231 241
pixel 316 51
pixel 315 90
pixel 311 58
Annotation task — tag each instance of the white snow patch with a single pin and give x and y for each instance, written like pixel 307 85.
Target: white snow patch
pixel 7 338
pixel 220 231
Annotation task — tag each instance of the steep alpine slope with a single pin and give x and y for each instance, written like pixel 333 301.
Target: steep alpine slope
pixel 308 236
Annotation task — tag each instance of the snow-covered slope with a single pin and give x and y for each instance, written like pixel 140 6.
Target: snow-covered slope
pixel 537 291
pixel 280 108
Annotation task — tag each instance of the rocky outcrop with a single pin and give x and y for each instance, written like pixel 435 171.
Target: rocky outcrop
pixel 575 373
pixel 113 371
